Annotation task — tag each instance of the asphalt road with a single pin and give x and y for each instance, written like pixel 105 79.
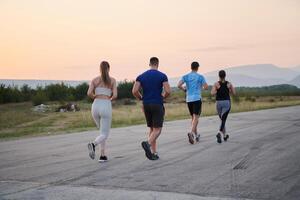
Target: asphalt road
pixel 261 160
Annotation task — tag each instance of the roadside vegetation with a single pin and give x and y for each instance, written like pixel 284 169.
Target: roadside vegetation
pixel 19 119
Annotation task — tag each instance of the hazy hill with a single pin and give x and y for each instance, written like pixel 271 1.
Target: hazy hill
pixel 249 81
pixel 295 81
pixel 254 75
pixel 297 68
pixel 260 71
pixel 246 75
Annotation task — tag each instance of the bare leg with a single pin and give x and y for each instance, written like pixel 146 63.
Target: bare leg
pixel 153 137
pixel 150 131
pixel 153 144
pixel 195 123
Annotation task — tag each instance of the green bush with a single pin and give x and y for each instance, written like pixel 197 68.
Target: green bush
pixel 62 92
pixel 2 93
pixel 80 91
pixel 124 90
pixel 10 94
pixel 39 98
pixel 274 90
pixel 57 92
pixel 26 92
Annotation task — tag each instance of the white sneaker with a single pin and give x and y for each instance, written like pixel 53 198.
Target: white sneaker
pixel 91 148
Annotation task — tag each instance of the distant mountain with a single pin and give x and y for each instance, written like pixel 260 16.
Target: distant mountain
pixel 260 71
pixel 297 68
pixel 244 80
pixel 254 75
pixel 295 81
pixel 247 75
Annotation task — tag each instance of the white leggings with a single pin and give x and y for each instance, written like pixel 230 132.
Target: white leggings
pixel 102 114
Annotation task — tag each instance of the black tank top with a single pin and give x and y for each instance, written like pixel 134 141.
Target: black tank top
pixel 223 92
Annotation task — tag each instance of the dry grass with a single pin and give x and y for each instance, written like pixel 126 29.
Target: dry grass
pixel 18 120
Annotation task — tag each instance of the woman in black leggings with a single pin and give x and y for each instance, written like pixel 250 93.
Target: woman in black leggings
pixel 222 89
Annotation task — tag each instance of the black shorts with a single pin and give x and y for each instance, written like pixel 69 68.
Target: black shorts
pixel 195 107
pixel 154 114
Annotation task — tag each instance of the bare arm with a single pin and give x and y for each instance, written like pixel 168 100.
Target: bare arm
pixel 180 86
pixel 91 90
pixel 114 90
pixel 205 86
pixel 214 89
pixel 136 90
pixel 167 89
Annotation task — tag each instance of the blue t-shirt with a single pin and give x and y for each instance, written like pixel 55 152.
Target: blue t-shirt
pixel 194 83
pixel 152 85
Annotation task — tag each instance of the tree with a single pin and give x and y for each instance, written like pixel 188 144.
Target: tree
pixel 124 89
pixel 57 92
pixel 26 92
pixel 80 91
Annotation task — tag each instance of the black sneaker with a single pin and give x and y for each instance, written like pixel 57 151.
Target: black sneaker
pixel 155 156
pixel 103 159
pixel 226 136
pixel 91 148
pixel 219 140
pixel 146 147
pixel 197 137
pixel 191 138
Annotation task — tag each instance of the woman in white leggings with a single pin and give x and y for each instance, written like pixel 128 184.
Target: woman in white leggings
pixel 103 89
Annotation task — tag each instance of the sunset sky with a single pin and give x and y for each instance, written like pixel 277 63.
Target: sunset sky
pixel 66 39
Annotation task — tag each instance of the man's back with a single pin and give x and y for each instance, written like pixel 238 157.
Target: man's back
pixel 194 83
pixel 152 84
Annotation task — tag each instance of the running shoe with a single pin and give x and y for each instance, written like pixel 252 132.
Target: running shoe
pixel 191 138
pixel 219 140
pixel 146 147
pixel 226 136
pixel 91 148
pixel 103 159
pixel 155 156
pixel 197 136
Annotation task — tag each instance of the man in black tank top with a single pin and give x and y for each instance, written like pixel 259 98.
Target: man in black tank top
pixel 222 89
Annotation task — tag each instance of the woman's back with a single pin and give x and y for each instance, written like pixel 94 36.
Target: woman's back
pixel 223 91
pixel 101 88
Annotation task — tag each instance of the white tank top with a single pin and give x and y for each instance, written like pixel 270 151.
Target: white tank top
pixel 103 91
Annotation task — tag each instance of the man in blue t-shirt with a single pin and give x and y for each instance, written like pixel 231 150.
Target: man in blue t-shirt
pixel 194 83
pixel 155 87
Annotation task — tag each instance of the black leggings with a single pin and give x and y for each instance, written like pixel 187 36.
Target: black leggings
pixel 223 108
